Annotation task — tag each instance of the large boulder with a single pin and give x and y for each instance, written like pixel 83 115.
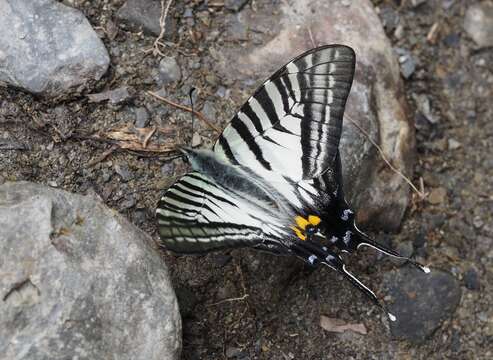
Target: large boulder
pixel 79 281
pixel 376 103
pixel 49 49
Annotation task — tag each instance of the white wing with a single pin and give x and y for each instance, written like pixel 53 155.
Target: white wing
pixel 292 124
pixel 196 214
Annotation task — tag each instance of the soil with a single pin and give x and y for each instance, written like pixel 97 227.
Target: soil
pixel 248 305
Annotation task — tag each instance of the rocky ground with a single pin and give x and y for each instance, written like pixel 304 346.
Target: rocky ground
pixel 246 305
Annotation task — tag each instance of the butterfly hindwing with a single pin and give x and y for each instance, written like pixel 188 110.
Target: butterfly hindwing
pixel 293 122
pixel 196 214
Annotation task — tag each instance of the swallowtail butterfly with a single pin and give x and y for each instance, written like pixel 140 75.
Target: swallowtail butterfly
pixel 272 181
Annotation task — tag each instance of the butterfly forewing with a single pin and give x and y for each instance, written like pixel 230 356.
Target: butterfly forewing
pixel 293 122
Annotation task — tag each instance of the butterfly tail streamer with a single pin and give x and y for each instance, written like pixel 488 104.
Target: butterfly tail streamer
pixel 315 254
pixel 365 240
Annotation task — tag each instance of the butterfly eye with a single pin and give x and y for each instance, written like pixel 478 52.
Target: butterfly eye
pixel 185 159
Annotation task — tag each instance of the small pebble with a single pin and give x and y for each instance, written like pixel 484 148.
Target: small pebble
pixel 141 117
pixel 471 279
pixel 128 202
pixel 453 144
pixel 232 352
pixel 209 111
pixel 407 62
pixel 437 196
pixel 169 71
pixel 235 5
pixel 115 96
pixel 478 23
pixel 196 139
pixel 122 170
pixel 416 3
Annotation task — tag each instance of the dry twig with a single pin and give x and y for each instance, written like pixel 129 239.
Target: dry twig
pixel 186 108
pixel 148 136
pixel 103 156
pixel 229 300
pixel 311 37
pixel 158 43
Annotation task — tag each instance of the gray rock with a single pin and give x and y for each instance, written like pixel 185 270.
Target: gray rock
pixel 122 170
pixel 377 102
pixel 169 71
pixel 78 280
pixel 223 92
pixel 196 139
pixel 478 23
pixel 49 49
pixel 141 117
pixel 407 62
pixel 417 3
pixel 423 104
pixel 235 5
pixel 209 111
pixel 453 144
pixel 420 301
pixel 471 279
pixel 389 17
pixel 144 14
pixel 116 96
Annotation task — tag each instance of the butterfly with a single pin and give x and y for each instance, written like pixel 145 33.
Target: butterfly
pixel 272 180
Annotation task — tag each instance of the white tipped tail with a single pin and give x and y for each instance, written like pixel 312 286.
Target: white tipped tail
pixel 425 269
pixel 392 317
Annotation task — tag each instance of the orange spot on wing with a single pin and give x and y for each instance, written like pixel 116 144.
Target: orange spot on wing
pixel 301 222
pixel 298 233
pixel 314 220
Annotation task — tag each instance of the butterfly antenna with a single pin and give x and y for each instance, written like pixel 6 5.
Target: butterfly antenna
pixel 190 94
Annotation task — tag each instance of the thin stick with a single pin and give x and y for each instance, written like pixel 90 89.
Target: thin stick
pixel 422 195
pixel 229 300
pixel 148 137
pixel 311 37
pixel 103 156
pixel 186 108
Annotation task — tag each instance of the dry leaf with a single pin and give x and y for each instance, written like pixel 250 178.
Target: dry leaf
pixel 340 326
pixel 137 139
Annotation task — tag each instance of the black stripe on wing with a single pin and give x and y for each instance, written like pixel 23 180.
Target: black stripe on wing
pixel 197 215
pixel 292 124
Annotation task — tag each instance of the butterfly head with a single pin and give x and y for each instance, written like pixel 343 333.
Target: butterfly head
pixel 199 159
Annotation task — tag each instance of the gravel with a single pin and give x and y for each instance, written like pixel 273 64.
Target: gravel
pixel 280 316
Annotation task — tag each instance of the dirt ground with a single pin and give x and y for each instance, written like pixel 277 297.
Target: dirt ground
pixel 248 305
